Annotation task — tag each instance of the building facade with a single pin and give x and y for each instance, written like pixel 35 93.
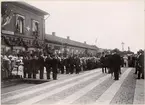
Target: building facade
pixel 22 27
pixel 67 46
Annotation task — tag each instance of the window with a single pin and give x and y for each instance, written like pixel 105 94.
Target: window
pixel 35 28
pixel 20 23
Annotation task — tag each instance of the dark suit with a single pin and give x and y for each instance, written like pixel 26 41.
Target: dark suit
pixel 67 65
pixel 116 63
pixel 25 61
pixel 103 63
pixel 34 68
pixel 72 61
pixel 77 65
pixel 141 66
pixel 41 66
pixel 62 63
pixel 54 62
pixel 29 67
pixel 48 66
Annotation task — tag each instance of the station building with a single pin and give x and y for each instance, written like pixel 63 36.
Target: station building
pixel 68 46
pixel 23 28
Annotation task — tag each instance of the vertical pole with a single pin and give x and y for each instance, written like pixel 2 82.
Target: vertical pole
pixel 122 46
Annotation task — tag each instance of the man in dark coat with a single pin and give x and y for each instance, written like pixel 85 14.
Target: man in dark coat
pixel 67 64
pixel 141 65
pixel 41 65
pixel 25 61
pixel 109 62
pixel 116 61
pixel 48 65
pixel 103 62
pixel 136 63
pixel 54 63
pixel 34 64
pixel 77 65
pixel 72 61
pixel 62 64
pixel 29 66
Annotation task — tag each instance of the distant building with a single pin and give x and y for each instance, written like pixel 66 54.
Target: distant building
pixel 68 46
pixel 23 26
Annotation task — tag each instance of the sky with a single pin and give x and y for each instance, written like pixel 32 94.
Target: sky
pixel 105 23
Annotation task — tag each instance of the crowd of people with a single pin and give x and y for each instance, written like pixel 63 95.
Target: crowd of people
pixel 139 64
pixel 36 62
pixel 114 61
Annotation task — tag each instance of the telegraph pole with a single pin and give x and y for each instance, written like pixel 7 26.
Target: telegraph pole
pixel 122 46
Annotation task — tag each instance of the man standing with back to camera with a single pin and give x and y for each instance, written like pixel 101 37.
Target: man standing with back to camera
pixel 116 61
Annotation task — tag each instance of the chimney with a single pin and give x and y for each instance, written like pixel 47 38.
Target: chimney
pixel 85 42
pixel 68 37
pixel 53 33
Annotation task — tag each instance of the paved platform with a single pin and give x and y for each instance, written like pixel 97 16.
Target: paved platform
pixel 90 87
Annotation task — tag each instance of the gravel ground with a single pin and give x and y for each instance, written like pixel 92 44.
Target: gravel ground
pixel 125 95
pixel 59 96
pixel 15 101
pixel 91 96
pixel 139 92
pixel 94 94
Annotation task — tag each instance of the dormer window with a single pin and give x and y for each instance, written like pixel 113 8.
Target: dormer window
pixel 35 28
pixel 20 20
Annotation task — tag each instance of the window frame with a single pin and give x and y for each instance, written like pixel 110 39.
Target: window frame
pixel 33 20
pixel 23 26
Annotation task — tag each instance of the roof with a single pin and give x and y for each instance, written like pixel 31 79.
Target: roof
pixel 28 7
pixel 60 40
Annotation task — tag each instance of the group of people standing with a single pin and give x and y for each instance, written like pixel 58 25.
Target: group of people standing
pixel 56 64
pixel 114 61
pixel 37 62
